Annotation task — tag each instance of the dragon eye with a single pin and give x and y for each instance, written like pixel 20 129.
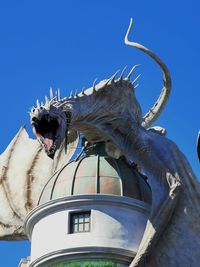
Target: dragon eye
pixel 33 110
pixel 41 107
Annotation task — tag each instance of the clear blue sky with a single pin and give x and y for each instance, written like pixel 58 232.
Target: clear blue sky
pixel 68 44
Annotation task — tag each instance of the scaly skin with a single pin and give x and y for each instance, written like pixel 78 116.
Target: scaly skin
pixel 110 112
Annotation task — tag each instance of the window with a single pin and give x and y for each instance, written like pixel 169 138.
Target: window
pixel 80 222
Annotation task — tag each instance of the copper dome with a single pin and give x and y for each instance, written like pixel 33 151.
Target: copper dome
pixel 96 173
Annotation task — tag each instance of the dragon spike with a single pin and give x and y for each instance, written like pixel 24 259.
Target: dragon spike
pixel 71 94
pixel 135 80
pixel 37 103
pixel 76 93
pixel 51 93
pixel 112 78
pixel 94 84
pixel 83 91
pixel 46 100
pixel 131 71
pixel 58 94
pixel 135 86
pixel 60 105
pixel 122 73
pixel 53 99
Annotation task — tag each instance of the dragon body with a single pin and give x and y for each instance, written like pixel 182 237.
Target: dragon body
pixel 110 112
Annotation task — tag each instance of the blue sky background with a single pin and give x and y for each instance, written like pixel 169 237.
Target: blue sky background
pixel 68 44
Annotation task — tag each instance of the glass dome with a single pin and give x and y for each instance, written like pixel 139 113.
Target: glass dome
pixel 97 173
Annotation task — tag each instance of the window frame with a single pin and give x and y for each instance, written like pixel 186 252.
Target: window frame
pixel 71 222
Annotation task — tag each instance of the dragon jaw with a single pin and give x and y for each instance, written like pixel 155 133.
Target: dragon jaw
pixel 49 125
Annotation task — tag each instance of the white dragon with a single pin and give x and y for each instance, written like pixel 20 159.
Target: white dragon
pixel 109 112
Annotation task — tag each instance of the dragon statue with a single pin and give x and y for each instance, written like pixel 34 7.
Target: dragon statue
pixel 109 112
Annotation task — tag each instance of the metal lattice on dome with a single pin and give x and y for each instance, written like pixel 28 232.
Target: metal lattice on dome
pixel 97 173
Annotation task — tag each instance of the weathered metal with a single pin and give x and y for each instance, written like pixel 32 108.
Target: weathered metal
pixel 97 173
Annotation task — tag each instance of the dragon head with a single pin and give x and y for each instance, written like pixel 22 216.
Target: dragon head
pixel 106 104
pixel 49 123
pixel 59 119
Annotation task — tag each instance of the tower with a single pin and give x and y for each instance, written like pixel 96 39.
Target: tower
pixel 92 212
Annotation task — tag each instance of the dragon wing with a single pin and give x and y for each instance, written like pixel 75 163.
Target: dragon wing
pixel 24 170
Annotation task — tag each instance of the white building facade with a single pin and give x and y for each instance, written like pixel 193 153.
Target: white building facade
pixel 91 213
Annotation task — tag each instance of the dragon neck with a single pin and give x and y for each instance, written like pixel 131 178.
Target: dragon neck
pixel 104 103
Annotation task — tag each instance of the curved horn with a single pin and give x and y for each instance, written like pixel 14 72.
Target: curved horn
pixel 157 108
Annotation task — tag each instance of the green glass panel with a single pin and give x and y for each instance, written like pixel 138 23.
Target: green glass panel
pixel 110 185
pixel 85 185
pixel 108 168
pixel 87 167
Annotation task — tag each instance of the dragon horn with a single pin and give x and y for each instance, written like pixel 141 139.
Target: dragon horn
pixel 131 71
pixel 135 80
pixel 76 93
pixel 46 100
pixel 112 78
pixel 58 94
pixel 135 86
pixel 38 103
pixel 71 95
pixel 157 108
pixel 94 84
pixel 51 93
pixel 83 91
pixel 53 99
pixel 122 73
